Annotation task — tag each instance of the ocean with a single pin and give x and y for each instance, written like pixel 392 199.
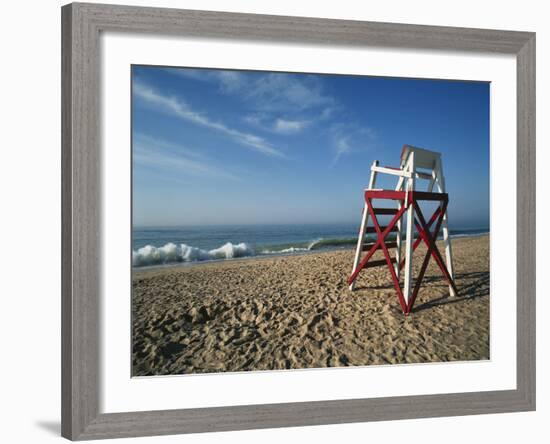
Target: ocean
pixel 154 246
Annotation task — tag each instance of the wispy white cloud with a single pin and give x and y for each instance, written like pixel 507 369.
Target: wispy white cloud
pixel 286 104
pixel 327 113
pixel 268 92
pixel 153 152
pixel 144 140
pixel 182 110
pixel 289 126
pixel 230 81
pixel 283 92
pixel 342 147
pixel 277 125
pixel 349 138
pixel 189 73
pixel 255 119
pixel 227 81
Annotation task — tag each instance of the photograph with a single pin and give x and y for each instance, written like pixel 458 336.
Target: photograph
pixel 287 221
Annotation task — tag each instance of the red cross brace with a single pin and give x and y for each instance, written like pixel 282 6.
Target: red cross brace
pixel 425 235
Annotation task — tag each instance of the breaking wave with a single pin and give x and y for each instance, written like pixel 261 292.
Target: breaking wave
pixel 177 253
pixel 310 246
pixel 172 253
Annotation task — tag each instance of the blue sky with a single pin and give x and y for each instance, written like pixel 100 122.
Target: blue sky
pixel 239 147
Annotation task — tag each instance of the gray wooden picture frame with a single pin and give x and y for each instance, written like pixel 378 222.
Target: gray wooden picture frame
pixel 81 174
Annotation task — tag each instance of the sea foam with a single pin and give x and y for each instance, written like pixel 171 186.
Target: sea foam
pixel 172 253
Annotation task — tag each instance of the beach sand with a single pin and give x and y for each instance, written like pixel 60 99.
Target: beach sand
pixel 295 312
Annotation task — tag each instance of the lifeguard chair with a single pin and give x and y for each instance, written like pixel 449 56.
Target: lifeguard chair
pixel 416 164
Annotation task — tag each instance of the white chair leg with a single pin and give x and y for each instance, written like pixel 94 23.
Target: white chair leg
pixel 360 241
pixel 397 266
pixel 408 254
pixel 446 238
pixel 448 252
pixel 364 219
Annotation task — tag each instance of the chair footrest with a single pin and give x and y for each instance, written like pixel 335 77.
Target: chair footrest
pixel 388 211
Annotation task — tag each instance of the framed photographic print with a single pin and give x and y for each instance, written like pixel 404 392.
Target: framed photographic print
pixel 278 221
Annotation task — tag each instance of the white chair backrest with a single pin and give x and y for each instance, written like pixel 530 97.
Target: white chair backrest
pixel 416 163
pixel 424 159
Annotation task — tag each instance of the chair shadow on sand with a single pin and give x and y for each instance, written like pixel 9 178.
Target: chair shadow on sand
pixel 477 287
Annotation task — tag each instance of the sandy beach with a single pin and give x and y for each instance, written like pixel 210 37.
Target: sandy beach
pixel 297 312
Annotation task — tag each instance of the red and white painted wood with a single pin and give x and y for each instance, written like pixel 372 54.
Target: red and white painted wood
pixel 416 163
